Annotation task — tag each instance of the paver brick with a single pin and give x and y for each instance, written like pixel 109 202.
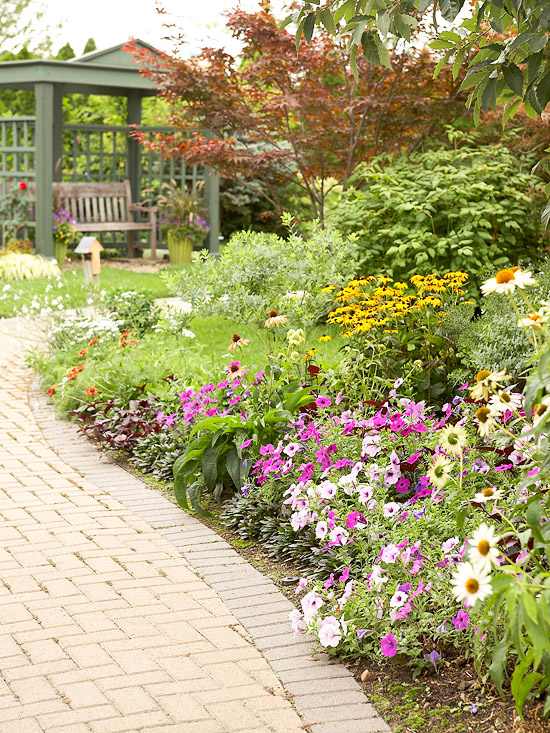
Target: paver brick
pixel 121 614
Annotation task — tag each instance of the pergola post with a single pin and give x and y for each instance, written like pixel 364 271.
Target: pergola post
pixel 213 194
pixel 57 133
pixel 133 117
pixel 44 95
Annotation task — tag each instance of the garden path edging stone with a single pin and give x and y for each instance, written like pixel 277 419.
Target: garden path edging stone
pixel 324 693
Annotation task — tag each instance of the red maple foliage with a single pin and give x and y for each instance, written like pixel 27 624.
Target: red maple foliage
pixel 278 114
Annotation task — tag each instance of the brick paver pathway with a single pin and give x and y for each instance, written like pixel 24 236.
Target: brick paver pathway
pixel 118 612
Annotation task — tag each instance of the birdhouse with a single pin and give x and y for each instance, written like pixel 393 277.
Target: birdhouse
pixel 89 248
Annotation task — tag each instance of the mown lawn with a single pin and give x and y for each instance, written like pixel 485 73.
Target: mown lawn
pixel 72 289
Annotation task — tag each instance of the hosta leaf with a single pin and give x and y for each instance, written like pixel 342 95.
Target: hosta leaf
pixel 233 466
pixel 209 465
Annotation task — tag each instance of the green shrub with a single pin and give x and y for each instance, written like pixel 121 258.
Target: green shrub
pixel 257 271
pixel 465 209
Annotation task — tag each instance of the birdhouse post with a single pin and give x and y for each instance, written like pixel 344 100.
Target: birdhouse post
pixel 89 249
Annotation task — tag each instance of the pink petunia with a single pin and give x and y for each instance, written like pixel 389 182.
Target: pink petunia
pixel 388 645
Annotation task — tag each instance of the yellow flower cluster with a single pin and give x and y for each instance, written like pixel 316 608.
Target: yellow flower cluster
pixel 376 301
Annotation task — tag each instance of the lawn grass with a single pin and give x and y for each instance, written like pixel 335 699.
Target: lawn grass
pixel 74 291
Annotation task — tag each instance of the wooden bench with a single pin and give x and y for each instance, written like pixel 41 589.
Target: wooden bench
pixel 106 207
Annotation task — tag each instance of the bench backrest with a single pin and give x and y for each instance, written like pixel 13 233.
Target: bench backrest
pixel 91 203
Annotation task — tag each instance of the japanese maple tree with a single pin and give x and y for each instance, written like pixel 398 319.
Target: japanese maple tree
pixel 279 114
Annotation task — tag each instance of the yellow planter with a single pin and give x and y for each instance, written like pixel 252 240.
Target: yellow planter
pixel 60 253
pixel 180 247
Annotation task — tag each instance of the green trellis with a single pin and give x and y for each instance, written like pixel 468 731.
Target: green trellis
pixel 43 149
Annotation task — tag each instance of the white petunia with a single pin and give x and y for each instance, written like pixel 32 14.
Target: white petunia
pixel 330 632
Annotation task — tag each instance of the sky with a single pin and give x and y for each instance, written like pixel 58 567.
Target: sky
pixel 114 21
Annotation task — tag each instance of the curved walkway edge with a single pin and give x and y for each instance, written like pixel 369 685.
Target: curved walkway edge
pixel 120 612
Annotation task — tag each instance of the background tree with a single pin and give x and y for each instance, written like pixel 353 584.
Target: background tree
pixel 21 25
pixel 276 114
pixel 504 44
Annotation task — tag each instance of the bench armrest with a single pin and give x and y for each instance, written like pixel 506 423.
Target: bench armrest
pixel 140 207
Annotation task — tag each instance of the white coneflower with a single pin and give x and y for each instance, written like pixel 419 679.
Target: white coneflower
pixel 237 342
pixel 275 319
pixel 487 382
pixel 504 400
pixel 533 320
pixel 440 472
pixel 489 493
pixel 485 421
pixel 524 279
pixel 483 547
pixel 453 440
pixel 471 583
pixel 507 280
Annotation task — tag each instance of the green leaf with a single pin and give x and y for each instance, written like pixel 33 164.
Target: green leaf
pixel 233 465
pixel 180 492
pixel 489 96
pixel 513 78
pixel 383 53
pixel 522 687
pixel 449 9
pixel 542 90
pixel 530 605
pixel 457 65
pixel 498 663
pixel 327 19
pixel 194 492
pixel 509 111
pixel 210 467
pixel 309 26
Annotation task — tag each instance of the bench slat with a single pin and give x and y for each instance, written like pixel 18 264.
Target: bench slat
pixel 115 226
pixel 104 207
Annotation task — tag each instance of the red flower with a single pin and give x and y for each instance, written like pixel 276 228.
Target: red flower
pixel 52 390
pixel 91 391
pixel 22 186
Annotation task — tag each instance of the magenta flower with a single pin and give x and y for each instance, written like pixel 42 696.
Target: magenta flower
pixel 403 485
pixel 246 444
pixel 323 401
pixel 461 621
pixel 388 645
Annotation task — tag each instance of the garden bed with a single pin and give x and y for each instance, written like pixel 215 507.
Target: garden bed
pixel 366 438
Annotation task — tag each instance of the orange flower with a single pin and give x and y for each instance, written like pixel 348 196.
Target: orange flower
pixel 74 372
pixel 52 390
pixel 91 391
pixel 125 340
pixel 82 353
pixel 93 341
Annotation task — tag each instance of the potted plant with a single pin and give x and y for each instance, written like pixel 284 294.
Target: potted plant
pixel 65 233
pixel 181 215
pixel 15 204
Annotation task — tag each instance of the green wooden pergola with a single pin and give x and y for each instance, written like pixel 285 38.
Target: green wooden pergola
pixel 111 72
